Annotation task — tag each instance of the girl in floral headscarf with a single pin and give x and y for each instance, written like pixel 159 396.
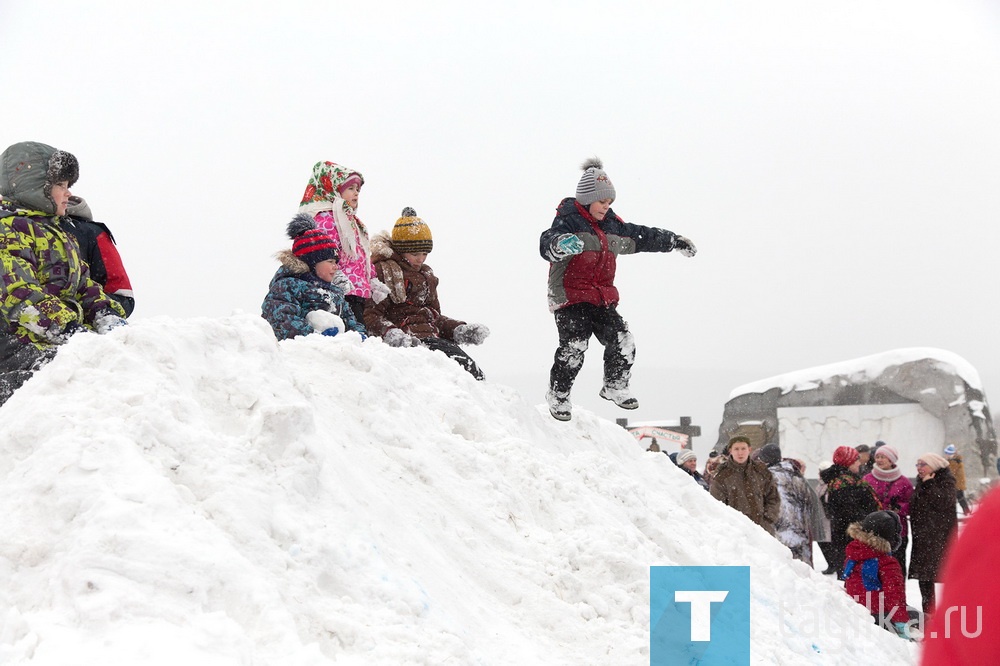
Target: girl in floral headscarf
pixel 332 199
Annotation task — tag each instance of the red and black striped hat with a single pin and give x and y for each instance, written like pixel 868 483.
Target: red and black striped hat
pixel 310 244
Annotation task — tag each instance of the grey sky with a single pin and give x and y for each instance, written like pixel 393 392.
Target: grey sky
pixel 836 163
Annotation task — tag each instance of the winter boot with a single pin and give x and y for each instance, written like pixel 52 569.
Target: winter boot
pixel 621 397
pixel 559 406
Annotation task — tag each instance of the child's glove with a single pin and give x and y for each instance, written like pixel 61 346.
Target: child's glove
pixel 60 336
pixel 902 630
pixel 397 337
pixel 567 245
pixel 106 320
pixel 685 246
pixel 471 334
pixel 379 290
pixel 342 282
pixel 332 331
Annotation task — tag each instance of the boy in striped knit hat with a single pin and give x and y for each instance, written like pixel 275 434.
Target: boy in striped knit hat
pixel 302 298
pixel 582 246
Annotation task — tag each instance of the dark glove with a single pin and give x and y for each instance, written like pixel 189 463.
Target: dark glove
pixel 685 246
pixel 332 331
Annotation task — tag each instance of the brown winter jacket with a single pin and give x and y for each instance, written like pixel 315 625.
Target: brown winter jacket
pixel 957 468
pixel 750 489
pixel 412 304
pixel 932 520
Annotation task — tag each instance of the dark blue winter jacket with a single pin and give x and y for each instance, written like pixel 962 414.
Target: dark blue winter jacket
pixel 293 294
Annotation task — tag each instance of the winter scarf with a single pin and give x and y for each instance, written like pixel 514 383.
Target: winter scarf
pixel 888 476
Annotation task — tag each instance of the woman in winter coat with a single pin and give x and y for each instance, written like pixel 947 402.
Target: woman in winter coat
pixel 848 499
pixel 792 527
pixel 46 292
pixel 411 315
pixel 970 582
pixel 933 518
pixel 331 197
pixel 893 490
pixel 688 461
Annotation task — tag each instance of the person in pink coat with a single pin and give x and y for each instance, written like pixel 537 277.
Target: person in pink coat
pixel 331 198
pixel 893 490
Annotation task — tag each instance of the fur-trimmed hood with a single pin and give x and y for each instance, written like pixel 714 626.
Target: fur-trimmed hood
pixel 381 246
pixel 292 264
pixel 869 539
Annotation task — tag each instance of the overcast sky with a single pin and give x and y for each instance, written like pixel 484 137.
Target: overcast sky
pixel 836 163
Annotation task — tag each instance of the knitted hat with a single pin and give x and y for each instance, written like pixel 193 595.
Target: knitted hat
pixel 411 234
pixel 594 185
pixel 352 179
pixel 889 452
pixel 950 450
pixel 684 456
pixel 770 454
pixel 934 461
pixel 885 525
pixel 845 456
pixel 310 244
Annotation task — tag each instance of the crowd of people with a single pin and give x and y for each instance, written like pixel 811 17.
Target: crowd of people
pixel 862 521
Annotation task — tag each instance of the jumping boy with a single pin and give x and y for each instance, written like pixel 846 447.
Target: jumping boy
pixel 581 247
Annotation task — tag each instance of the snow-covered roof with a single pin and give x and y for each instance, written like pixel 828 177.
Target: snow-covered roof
pixel 862 369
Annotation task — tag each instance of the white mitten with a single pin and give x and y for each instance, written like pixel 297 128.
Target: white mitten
pixel 397 337
pixel 379 290
pixel 471 334
pixel 342 282
pixel 106 320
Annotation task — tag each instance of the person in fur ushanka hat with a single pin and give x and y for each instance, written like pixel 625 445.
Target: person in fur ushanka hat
pixel 411 315
pixel 872 576
pixel 331 198
pixel 302 298
pixel 47 291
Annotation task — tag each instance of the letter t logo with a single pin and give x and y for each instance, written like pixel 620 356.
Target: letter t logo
pixel 701 610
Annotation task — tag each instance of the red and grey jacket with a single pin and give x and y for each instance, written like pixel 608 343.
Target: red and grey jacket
pixel 589 277
pixel 97 248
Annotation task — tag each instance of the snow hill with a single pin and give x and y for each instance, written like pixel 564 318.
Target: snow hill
pixel 193 492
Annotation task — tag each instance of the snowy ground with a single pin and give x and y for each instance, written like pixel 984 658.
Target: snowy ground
pixel 191 491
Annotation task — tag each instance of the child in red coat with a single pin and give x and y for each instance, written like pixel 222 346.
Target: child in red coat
pixel 872 576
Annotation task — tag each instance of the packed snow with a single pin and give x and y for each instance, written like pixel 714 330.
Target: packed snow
pixel 190 491
pixel 860 369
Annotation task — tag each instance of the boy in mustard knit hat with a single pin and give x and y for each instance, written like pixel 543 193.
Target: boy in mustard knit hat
pixel 411 315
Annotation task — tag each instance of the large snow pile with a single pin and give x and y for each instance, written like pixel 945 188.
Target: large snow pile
pixel 192 492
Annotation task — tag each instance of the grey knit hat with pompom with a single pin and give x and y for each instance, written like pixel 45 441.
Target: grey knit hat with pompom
pixel 594 185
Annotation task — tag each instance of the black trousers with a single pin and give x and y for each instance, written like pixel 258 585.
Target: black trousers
pixel 576 323
pixel 926 595
pixel 18 362
pixel 454 351
pixel 357 307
